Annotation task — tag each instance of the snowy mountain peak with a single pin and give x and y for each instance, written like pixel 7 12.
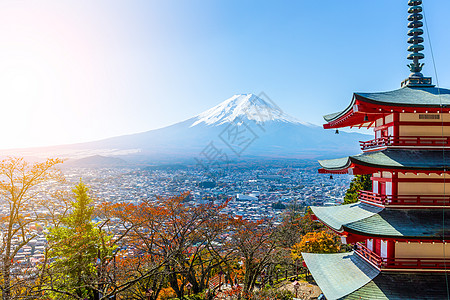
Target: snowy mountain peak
pixel 248 106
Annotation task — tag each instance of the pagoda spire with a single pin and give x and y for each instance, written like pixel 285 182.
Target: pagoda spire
pixel 415 40
pixel 415 37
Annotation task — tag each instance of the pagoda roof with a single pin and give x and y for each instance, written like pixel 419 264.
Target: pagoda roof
pixel 364 220
pixel 405 99
pixel 347 276
pixel 337 216
pixel 409 96
pixel 402 286
pixel 389 159
pixel 339 274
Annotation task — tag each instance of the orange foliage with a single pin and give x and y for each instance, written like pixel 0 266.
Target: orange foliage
pixel 315 242
pixel 169 237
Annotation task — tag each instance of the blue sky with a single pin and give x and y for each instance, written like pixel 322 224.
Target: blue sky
pixel 74 71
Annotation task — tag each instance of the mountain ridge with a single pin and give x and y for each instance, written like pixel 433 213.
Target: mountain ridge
pixel 243 126
pixel 249 105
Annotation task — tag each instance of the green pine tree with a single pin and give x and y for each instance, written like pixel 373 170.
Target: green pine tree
pixel 77 250
pixel 359 182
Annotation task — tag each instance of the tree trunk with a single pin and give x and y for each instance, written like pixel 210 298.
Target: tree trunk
pixel 6 270
pixel 174 284
pixel 6 295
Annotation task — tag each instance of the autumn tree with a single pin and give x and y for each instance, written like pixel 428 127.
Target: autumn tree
pixel 199 233
pixel 78 249
pixel 23 186
pixel 208 253
pixel 102 260
pixel 255 244
pixel 139 263
pixel 180 241
pixel 294 226
pixel 315 242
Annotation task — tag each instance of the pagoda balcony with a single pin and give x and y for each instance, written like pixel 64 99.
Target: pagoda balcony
pixel 406 264
pixel 372 198
pixel 403 200
pixel 369 255
pixel 416 141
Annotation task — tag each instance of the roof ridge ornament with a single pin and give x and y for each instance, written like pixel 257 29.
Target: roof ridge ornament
pixel 416 77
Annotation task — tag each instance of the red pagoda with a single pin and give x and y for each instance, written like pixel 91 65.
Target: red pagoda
pixel 398 229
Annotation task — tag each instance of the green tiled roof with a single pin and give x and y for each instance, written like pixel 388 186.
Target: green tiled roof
pixel 339 274
pixel 406 158
pixel 402 286
pixel 333 116
pixel 406 96
pixel 394 158
pixel 370 220
pixel 337 163
pixel 410 96
pixel 346 276
pixel 411 223
pixel 336 216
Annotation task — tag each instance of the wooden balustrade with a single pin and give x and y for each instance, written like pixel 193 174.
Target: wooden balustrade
pixel 415 263
pixel 369 255
pixel 424 200
pixel 367 196
pixel 432 200
pixel 400 263
pixel 420 141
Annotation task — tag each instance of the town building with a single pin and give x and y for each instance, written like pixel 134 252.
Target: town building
pixel 399 229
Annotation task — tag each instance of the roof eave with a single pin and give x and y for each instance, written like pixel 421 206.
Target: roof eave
pixel 341 114
pixel 328 269
pixel 361 98
pixel 372 168
pixel 363 111
pixel 337 230
pixel 345 228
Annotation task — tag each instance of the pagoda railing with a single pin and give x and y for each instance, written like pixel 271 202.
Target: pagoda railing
pixel 432 200
pixel 415 263
pixel 424 200
pixel 406 141
pixel 372 197
pixel 400 263
pixel 369 255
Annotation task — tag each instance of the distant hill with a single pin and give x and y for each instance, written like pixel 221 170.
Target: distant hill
pixel 243 126
pixel 96 161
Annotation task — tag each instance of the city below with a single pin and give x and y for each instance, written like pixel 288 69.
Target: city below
pixel 254 191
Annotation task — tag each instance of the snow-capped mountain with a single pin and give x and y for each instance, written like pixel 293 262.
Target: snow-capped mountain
pixel 248 106
pixel 243 126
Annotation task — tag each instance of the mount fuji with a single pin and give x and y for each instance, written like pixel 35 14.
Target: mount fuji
pixel 243 126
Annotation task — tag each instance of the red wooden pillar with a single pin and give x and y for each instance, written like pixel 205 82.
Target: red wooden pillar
pixel 396 125
pixel 377 246
pixel 390 251
pixel 382 187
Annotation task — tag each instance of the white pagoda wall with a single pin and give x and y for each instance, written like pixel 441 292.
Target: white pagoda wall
pixel 375 182
pixel 383 249
pixel 369 244
pixel 383 121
